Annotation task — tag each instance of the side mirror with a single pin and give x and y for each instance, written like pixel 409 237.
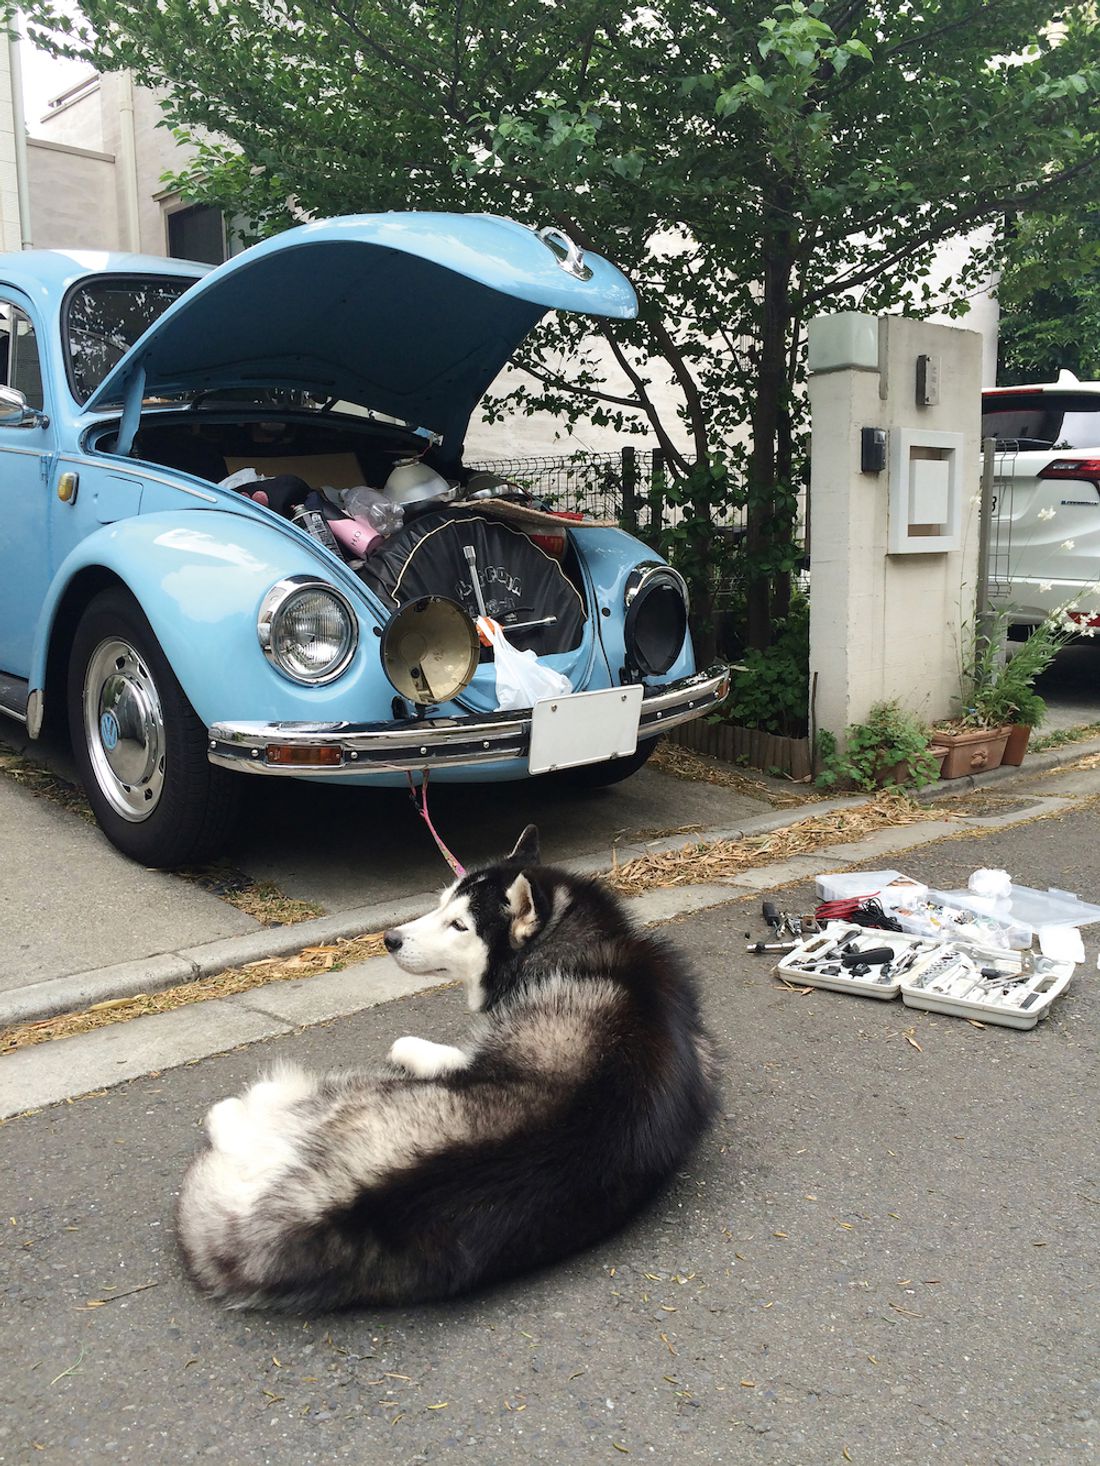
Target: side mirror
pixel 14 412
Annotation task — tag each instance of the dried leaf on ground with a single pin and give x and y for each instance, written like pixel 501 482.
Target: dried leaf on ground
pixel 219 985
pixel 718 859
pixel 684 763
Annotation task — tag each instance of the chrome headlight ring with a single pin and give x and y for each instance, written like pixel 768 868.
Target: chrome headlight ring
pixel 648 571
pixel 652 638
pixel 325 619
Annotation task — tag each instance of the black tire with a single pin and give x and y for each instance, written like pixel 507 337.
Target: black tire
pixel 614 771
pixel 138 745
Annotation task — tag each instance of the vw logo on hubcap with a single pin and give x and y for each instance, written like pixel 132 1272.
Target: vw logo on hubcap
pixel 108 730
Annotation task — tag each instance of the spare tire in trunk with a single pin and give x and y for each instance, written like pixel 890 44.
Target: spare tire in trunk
pixel 519 582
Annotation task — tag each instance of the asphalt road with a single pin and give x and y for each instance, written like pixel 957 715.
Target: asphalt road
pixel 1071 686
pixel 883 1252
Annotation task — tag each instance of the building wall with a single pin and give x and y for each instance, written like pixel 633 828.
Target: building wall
pixel 10 231
pixel 72 197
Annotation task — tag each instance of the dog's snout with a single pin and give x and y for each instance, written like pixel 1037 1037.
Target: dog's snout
pixel 393 941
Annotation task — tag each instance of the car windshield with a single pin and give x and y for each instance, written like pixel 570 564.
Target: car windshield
pixel 1043 419
pixel 106 316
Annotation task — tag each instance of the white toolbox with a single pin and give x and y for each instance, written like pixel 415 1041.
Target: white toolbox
pixel 821 960
pixel 988 991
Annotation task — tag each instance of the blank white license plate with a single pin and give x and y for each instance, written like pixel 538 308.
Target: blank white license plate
pixel 584 728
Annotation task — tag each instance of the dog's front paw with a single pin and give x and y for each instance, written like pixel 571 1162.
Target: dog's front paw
pixel 424 1059
pixel 228 1128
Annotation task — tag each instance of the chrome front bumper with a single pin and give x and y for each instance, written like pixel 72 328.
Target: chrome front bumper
pixel 435 743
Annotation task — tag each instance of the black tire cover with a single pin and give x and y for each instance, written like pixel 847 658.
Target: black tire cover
pixel 518 580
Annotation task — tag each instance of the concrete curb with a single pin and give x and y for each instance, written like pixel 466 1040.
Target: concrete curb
pixel 43 1075
pixel 169 969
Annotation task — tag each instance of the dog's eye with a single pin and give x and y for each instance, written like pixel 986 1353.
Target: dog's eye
pixel 459 926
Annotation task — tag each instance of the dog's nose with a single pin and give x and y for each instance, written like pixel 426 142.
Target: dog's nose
pixel 392 941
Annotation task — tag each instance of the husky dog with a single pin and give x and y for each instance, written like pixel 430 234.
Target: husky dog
pixel 586 1081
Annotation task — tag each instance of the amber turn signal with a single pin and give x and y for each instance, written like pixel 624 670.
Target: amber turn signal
pixel 288 753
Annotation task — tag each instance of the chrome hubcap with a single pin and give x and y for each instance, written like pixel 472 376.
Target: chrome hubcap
pixel 124 729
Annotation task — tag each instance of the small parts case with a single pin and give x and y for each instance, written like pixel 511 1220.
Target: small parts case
pixel 853 959
pixel 953 982
pixel 1010 988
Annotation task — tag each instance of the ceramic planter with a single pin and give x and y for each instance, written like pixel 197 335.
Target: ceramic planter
pixel 1016 746
pixel 972 752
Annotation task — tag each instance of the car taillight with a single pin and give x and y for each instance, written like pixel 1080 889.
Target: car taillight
pixel 1086 468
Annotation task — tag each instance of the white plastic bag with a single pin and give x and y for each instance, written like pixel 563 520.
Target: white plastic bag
pixel 521 678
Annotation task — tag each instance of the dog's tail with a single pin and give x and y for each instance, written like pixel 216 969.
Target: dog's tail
pixel 263 1222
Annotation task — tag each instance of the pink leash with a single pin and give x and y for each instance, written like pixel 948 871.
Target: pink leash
pixel 421 807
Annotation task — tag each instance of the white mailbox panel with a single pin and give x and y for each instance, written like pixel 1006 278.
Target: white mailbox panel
pixel 926 479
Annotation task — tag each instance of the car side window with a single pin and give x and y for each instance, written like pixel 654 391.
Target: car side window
pixel 20 366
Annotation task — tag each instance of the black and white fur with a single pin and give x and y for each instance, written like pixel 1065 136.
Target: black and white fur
pixel 587 1079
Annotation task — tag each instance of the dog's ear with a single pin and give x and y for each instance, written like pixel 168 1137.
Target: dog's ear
pixel 527 847
pixel 523 901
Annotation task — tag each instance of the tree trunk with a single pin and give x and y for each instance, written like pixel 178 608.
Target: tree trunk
pixel 784 521
pixel 768 410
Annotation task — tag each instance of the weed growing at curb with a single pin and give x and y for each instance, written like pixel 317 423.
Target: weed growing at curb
pixel 262 900
pixel 1059 737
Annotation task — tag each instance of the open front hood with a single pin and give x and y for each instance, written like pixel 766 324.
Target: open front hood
pixel 411 315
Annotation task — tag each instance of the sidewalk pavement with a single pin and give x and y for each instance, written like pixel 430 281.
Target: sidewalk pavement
pixel 882 1253
pixel 85 925
pixel 102 928
pixel 71 902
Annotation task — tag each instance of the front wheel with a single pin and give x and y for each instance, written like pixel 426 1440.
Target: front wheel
pixel 138 745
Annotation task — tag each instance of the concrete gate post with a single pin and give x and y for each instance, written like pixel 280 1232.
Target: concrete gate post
pixel 895 471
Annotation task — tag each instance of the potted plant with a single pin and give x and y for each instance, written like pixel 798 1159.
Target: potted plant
pixel 999 692
pixel 1030 712
pixel 892 748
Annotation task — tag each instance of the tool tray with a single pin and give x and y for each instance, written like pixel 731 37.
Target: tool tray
pixel 952 982
pixel 803 964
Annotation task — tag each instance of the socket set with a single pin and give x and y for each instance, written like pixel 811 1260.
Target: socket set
pixel 853 959
pixel 1015 990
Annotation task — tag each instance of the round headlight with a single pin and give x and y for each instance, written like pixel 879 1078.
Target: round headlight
pixel 656 604
pixel 307 630
pixel 430 650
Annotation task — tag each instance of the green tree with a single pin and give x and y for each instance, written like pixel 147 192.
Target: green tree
pixel 1049 294
pixel 749 163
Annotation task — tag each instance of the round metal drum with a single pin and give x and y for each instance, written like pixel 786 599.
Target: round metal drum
pixel 430 650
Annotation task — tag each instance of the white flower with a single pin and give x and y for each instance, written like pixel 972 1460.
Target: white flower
pixel 1068 544
pixel 975 501
pixel 1045 514
pixel 1045 585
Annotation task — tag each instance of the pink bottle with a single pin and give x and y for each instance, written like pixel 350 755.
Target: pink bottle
pixel 356 535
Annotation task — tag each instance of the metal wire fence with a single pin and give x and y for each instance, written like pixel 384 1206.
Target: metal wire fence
pixel 629 489
pixel 592 483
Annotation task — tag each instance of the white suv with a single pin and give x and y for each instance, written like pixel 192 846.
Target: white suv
pixel 1046 530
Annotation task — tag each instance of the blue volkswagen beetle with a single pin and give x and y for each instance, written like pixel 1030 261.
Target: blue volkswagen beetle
pixel 238 535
